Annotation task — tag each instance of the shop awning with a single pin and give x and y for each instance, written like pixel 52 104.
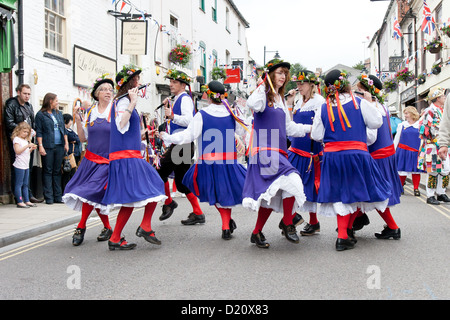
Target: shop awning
pixel 7 48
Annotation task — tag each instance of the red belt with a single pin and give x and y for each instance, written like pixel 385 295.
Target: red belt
pixel 259 149
pixel 316 160
pixel 125 154
pixel 383 152
pixel 345 145
pixel 405 147
pixel 95 158
pixel 211 157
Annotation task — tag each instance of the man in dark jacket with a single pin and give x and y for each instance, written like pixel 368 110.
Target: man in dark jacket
pixel 17 110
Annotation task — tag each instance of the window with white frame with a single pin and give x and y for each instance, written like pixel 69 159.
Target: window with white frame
pixel 55 27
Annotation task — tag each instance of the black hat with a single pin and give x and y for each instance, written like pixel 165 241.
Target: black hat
pixel 332 77
pixel 126 74
pixel 179 76
pixel 305 76
pixel 217 87
pixel 376 82
pixel 98 82
pixel 276 63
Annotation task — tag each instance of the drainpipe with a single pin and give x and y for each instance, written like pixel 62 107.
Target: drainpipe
pixel 20 71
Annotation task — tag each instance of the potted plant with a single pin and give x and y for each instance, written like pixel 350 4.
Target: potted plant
pixel 434 46
pixel 421 78
pixel 404 75
pixel 180 55
pixel 446 30
pixel 436 69
pixel 390 85
pixel 218 73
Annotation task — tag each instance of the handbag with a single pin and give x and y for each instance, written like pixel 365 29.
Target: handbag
pixel 69 162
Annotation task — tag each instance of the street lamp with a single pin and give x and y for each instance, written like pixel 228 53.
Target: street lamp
pixel 277 56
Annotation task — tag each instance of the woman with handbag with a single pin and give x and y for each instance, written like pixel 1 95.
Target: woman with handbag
pixel 85 191
pixel 51 136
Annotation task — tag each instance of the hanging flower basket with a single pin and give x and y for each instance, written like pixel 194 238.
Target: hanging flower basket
pixel 434 46
pixel 390 85
pixel 218 73
pixel 446 30
pixel 180 55
pixel 404 75
pixel 421 78
pixel 436 69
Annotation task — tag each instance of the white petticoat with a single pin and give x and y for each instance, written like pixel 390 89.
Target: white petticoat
pixel 343 209
pixel 76 203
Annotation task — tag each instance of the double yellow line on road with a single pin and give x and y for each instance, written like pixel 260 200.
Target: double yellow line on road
pixel 445 211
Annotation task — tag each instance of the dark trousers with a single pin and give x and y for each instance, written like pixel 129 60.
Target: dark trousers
pixel 51 173
pixel 174 161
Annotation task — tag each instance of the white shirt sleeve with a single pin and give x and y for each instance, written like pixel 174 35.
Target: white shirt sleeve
pixel 187 112
pixel 398 134
pixel 121 105
pixel 318 129
pixel 257 100
pixel 192 132
pixel 294 129
pixel 371 136
pixel 371 114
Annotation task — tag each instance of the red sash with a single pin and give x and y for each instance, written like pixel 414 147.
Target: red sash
pixel 405 147
pixel 345 145
pixel 211 157
pixel 316 161
pixel 259 149
pixel 383 152
pixel 95 158
pixel 125 154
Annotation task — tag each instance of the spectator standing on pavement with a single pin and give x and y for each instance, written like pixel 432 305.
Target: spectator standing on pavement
pixel 437 170
pixel 21 137
pixel 51 135
pixel 407 143
pixel 395 120
pixel 18 109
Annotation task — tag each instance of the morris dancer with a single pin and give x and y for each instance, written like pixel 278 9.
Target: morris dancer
pixel 180 114
pixel 306 154
pixel 132 181
pixel 429 161
pixel 217 178
pixel 350 179
pixel 85 191
pixel 272 183
pixel 383 151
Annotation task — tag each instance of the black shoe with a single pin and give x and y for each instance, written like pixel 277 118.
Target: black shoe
pixel 289 232
pixel 148 236
pixel 167 210
pixel 226 234
pixel 297 220
pixel 34 200
pixel 121 245
pixel 389 233
pixel 310 229
pixel 443 197
pixel 232 225
pixel 259 240
pixel 351 235
pixel 193 219
pixel 360 222
pixel 78 236
pixel 105 234
pixel 432 200
pixel 417 193
pixel 344 244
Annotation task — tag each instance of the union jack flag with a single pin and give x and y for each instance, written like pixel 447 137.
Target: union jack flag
pixel 428 23
pixel 397 31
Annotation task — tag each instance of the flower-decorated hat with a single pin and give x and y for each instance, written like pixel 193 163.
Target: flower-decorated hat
pixel 126 74
pixel 276 63
pixel 435 92
pixel 373 85
pixel 335 81
pixel 305 76
pixel 215 90
pixel 178 75
pixel 104 78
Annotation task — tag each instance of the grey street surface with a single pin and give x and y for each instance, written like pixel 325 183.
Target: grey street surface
pixel 195 263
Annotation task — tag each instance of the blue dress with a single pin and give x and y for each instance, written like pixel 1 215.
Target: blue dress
pixel 349 176
pixel 300 152
pixel 89 182
pixel 383 151
pixel 217 180
pixel 407 152
pixel 132 181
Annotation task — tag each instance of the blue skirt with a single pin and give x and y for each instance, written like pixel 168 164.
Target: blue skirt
pixel 306 169
pixel 388 169
pixel 351 176
pixel 407 161
pixel 220 184
pixel 133 180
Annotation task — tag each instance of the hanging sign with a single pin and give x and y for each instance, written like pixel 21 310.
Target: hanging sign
pixel 233 76
pixel 134 37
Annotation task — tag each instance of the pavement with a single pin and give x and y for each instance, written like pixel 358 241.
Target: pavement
pixel 21 224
